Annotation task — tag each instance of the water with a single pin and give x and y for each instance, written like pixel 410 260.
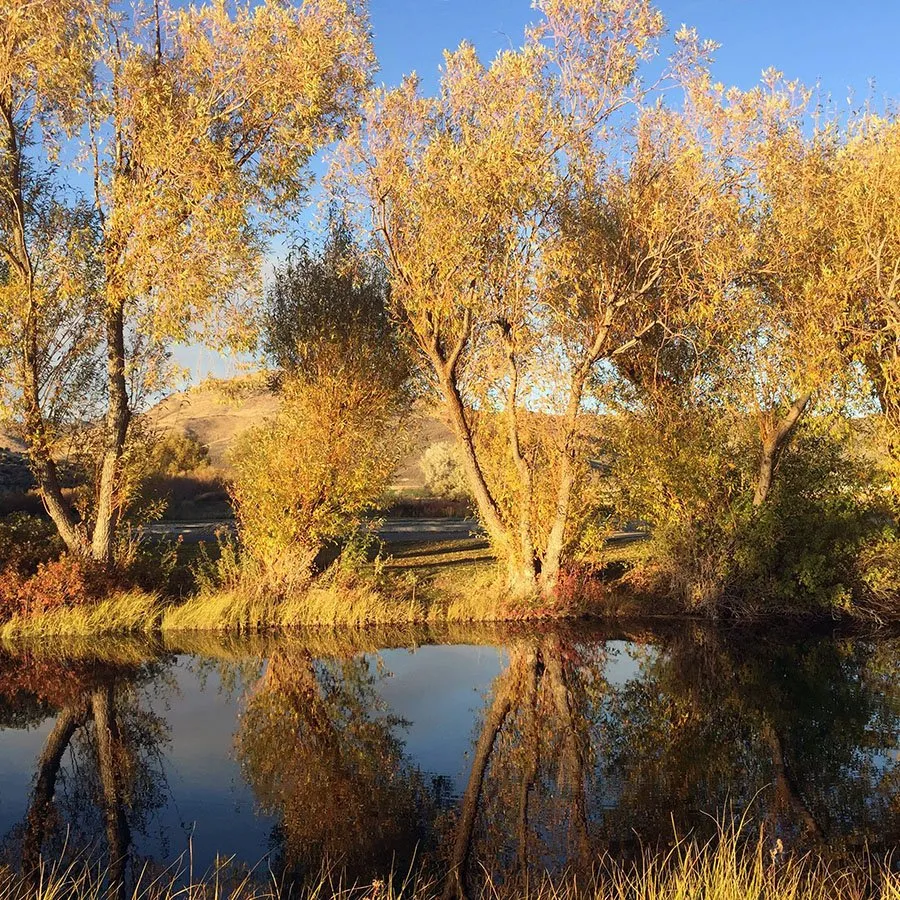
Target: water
pixel 508 751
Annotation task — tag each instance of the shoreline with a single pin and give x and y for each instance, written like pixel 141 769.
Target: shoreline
pixel 232 614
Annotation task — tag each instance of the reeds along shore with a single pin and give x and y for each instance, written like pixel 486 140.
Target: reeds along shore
pixel 230 611
pixel 471 597
pixel 728 868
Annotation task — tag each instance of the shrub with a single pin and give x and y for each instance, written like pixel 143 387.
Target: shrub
pixel 63 583
pixel 176 454
pixel 799 552
pixel 444 474
pixel 878 571
pixel 305 479
pixel 27 541
pixel 680 476
pixel 804 551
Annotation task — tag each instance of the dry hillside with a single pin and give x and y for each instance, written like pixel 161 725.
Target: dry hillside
pixel 217 412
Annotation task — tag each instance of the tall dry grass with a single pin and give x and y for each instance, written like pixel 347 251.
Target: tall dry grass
pixel 725 869
pixel 329 605
pixel 248 608
pixel 124 613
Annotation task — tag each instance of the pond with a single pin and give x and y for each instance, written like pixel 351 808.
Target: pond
pixel 506 751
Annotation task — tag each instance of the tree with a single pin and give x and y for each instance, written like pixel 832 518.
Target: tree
pixel 333 307
pixel 112 779
pixel 198 127
pixel 324 754
pixel 789 306
pixel 443 471
pixel 499 205
pixel 710 406
pixel 304 479
pixel 49 279
pixel 869 201
pixel 528 797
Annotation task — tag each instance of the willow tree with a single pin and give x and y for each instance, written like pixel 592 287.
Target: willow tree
pixel 486 199
pixel 198 126
pixel 766 332
pixel 49 279
pixel 788 303
pixel 869 203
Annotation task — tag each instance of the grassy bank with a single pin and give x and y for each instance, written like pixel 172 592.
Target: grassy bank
pixel 460 595
pixel 123 613
pixel 726 871
pixel 421 583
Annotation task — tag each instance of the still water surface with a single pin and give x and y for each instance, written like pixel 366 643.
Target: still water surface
pixel 504 751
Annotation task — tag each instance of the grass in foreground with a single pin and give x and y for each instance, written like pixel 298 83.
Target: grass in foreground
pixel 726 869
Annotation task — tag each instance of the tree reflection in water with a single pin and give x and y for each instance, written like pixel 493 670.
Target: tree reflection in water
pixel 114 778
pixel 577 752
pixel 803 732
pixel 568 767
pixel 323 754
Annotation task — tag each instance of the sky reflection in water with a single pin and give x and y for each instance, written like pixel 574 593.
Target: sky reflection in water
pixel 522 753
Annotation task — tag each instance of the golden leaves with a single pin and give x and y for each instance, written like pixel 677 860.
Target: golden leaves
pixel 213 135
pixel 47 52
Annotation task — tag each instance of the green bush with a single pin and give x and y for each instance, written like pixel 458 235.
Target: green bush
pixel 800 551
pixel 822 543
pixel 683 478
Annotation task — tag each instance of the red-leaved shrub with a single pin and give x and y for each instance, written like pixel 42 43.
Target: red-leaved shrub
pixel 62 583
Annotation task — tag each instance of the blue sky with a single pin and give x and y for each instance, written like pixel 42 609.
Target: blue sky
pixel 844 46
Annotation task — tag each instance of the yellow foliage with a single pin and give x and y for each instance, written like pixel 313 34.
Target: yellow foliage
pixel 305 478
pixel 198 125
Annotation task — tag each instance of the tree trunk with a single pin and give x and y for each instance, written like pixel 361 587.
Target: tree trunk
pixel 787 790
pixel 117 421
pixel 774 443
pixel 43 467
pixel 877 366
pixel 532 741
pixel 766 473
pixel 552 561
pixel 575 750
pixel 526 483
pixel 521 575
pixel 22 271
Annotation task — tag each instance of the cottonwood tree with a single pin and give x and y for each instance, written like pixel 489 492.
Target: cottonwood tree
pixel 199 125
pixel 490 199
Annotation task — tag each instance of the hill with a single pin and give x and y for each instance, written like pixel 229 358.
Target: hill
pixel 216 413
